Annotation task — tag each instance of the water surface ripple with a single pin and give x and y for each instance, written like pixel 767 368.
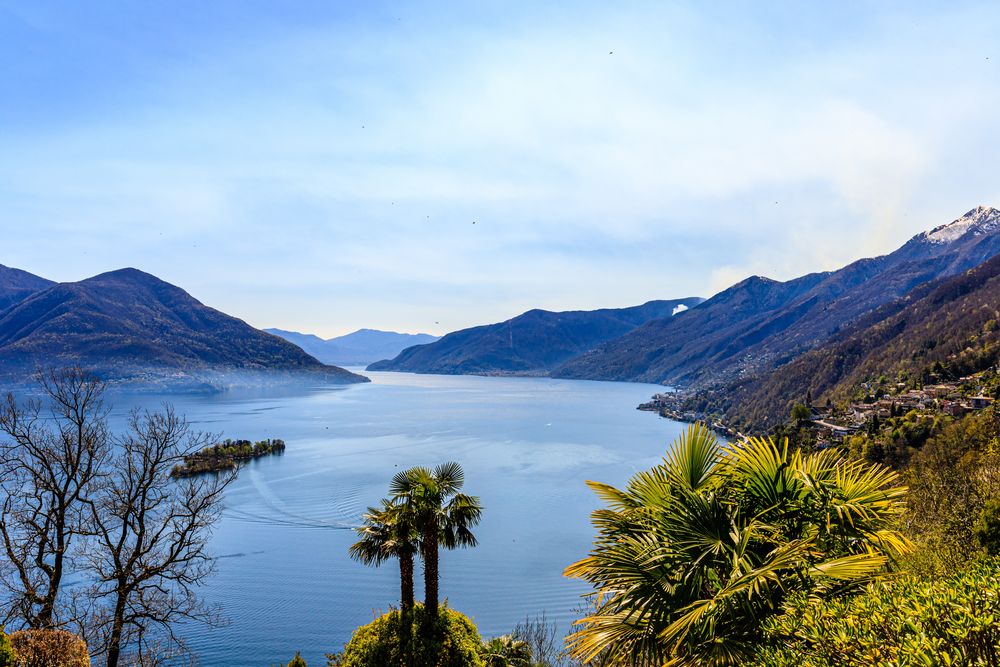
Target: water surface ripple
pixel 284 579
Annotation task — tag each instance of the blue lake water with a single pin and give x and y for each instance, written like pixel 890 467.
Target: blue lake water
pixel 284 579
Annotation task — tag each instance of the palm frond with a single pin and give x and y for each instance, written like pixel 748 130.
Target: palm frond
pixel 690 459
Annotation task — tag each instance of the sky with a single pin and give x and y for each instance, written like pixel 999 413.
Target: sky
pixel 428 166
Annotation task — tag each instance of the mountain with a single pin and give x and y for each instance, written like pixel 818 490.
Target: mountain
pixel 760 324
pixel 531 343
pixel 359 348
pixel 129 324
pixel 952 324
pixel 16 285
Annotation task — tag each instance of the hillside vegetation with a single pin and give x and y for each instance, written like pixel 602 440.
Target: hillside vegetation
pixel 942 331
pixel 128 323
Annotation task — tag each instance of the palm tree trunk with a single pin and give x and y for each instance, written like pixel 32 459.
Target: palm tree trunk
pixel 406 580
pixel 406 607
pixel 431 573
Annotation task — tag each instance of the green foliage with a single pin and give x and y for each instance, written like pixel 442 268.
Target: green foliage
pixel 449 640
pixel 907 621
pixel 226 455
pixel 297 661
pixel 987 529
pixel 444 516
pixel 800 412
pixel 693 555
pixel 388 532
pixel 952 478
pixel 7 656
pixel 507 651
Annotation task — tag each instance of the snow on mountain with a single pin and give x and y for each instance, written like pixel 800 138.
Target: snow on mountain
pixel 980 220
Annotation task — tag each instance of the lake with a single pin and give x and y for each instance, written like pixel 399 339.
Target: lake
pixel 284 579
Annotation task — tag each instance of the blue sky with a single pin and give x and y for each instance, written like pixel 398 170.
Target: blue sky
pixel 326 166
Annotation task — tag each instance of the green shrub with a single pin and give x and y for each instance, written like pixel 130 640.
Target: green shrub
pixel 7 656
pixel 453 641
pixel 906 621
pixel 693 555
pixel 987 530
pixel 49 648
pixel 507 651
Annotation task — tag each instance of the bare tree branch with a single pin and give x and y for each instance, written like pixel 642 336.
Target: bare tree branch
pixel 149 545
pixel 50 460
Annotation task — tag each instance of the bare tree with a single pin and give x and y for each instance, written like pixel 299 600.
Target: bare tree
pixel 148 551
pixel 50 460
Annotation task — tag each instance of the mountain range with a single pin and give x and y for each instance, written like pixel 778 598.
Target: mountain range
pixel 761 343
pixel 359 348
pixel 759 323
pixel 749 349
pixel 127 324
pixel 534 342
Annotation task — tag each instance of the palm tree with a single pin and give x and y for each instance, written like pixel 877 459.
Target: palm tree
pixel 694 554
pixel 389 532
pixel 443 516
pixel 506 651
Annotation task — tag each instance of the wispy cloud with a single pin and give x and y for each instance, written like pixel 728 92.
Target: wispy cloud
pixel 442 166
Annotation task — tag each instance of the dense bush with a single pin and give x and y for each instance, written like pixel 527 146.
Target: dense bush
pixel 49 648
pixel 906 621
pixel 987 529
pixel 451 641
pixel 7 655
pixel 507 651
pixel 952 480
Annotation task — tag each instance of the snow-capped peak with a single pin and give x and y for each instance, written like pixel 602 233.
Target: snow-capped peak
pixel 980 220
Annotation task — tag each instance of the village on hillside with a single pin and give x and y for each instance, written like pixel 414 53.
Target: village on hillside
pixel 831 424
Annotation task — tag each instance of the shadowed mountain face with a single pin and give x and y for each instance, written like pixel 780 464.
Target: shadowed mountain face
pixel 17 285
pixel 760 324
pixel 128 323
pixel 534 342
pixel 359 348
pixel 952 321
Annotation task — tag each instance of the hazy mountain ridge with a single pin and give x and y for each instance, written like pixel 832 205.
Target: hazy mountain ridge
pixel 127 323
pixel 531 343
pixel 358 348
pixel 17 285
pixel 760 324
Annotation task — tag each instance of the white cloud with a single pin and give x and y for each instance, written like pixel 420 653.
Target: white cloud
pixel 607 158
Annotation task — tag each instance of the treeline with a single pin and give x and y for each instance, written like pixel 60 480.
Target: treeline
pixel 227 455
